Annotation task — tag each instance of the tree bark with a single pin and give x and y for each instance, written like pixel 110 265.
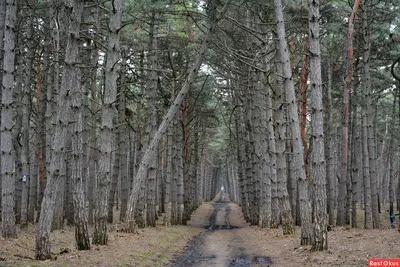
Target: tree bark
pixel 279 152
pixel 77 159
pixel 370 118
pixel 26 112
pixel 123 143
pixel 318 171
pixel 2 22
pixel 8 229
pixel 341 212
pixel 298 158
pixel 100 235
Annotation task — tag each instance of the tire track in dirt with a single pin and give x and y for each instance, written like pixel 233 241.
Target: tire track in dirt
pixel 224 243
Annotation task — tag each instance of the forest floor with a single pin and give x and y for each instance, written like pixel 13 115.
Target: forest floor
pixel 217 236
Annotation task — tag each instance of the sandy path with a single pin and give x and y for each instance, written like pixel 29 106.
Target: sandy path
pixel 225 243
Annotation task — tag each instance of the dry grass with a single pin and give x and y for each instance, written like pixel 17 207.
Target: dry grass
pixel 151 247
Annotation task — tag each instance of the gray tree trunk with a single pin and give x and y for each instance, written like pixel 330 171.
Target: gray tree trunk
pixel 100 235
pixel 298 159
pixel 330 153
pixel 93 152
pixel 318 170
pixel 356 161
pixel 8 229
pixel 151 126
pixel 57 167
pixel 26 112
pixel 366 172
pixel 123 143
pixel 77 157
pixel 279 151
pixel 2 21
pixel 16 133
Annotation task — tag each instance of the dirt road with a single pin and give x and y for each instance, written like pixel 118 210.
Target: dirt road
pixel 224 243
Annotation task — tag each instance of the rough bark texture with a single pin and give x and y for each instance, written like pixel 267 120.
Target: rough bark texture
pixel 298 159
pixel 26 112
pixel 123 145
pixel 356 161
pixel 318 171
pixel 366 172
pixel 151 124
pixel 8 229
pixel 330 162
pixel 93 152
pixel 57 166
pixel 2 21
pixel 341 212
pixel 100 235
pixel 77 154
pixel 279 151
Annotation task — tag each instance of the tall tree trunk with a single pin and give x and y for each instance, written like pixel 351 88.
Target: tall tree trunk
pixel 318 171
pixel 8 229
pixel 77 159
pixel 356 161
pixel 151 127
pixel 370 118
pixel 298 158
pixel 26 113
pixel 341 212
pixel 330 154
pixel 2 22
pixel 150 151
pixel 366 172
pixel 57 167
pixel 123 142
pixel 279 151
pixel 93 152
pixel 100 235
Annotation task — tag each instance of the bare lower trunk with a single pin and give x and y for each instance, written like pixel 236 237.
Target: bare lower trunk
pixel 279 151
pixel 8 229
pixel 100 235
pixel 318 171
pixel 298 158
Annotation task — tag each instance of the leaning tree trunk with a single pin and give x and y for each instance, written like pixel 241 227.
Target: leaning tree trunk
pixel 318 171
pixel 8 229
pixel 341 211
pixel 297 158
pixel 57 166
pixel 100 235
pixel 150 151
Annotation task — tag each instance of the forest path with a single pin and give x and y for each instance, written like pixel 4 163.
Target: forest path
pixel 225 243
